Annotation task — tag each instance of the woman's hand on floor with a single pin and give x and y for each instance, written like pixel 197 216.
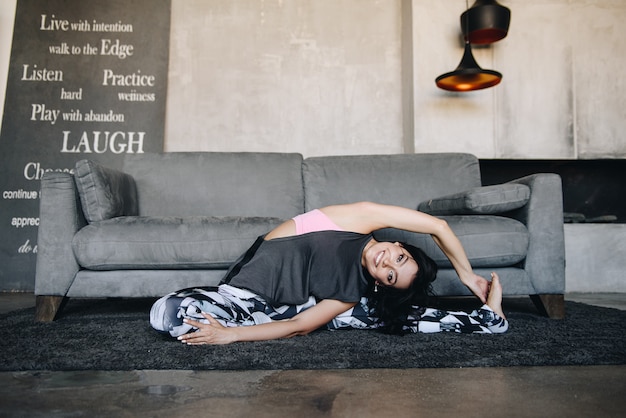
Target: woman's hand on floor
pixel 211 333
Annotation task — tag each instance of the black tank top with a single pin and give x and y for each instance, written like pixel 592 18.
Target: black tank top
pixel 286 271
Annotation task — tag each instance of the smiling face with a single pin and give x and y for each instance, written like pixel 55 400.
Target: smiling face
pixel 389 264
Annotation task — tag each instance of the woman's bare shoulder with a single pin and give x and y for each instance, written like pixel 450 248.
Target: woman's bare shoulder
pixel 286 229
pixel 355 217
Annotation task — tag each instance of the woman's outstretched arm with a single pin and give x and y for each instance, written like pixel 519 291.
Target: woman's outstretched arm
pixel 366 217
pixel 301 324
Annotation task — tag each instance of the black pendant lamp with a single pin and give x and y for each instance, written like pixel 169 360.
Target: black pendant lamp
pixel 485 22
pixel 468 75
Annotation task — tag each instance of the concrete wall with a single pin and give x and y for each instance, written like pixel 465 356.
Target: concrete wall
pixel 595 258
pixel 316 77
pixel 327 77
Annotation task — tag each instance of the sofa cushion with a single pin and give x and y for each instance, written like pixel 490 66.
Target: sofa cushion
pixel 489 241
pixel 402 179
pixel 133 242
pixel 104 192
pixel 480 200
pixel 217 183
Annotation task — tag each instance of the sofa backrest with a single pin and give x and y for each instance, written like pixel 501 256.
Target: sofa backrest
pixel 217 184
pixel 402 180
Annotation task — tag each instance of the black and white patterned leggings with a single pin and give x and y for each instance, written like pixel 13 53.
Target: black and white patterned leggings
pixel 234 307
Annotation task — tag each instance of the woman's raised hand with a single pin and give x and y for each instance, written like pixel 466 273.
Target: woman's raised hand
pixel 478 285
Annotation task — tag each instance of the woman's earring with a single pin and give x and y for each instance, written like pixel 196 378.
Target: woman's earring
pixel 375 287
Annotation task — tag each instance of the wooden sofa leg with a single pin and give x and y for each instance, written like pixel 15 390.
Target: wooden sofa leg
pixel 552 306
pixel 47 307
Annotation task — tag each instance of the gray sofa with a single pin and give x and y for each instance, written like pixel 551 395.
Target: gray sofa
pixel 175 220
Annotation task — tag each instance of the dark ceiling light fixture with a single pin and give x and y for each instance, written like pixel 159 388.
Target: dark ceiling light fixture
pixel 485 22
pixel 468 76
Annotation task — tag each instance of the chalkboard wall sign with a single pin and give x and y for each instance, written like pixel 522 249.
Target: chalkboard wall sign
pixel 87 80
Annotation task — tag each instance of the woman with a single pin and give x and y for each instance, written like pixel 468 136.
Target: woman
pixel 316 270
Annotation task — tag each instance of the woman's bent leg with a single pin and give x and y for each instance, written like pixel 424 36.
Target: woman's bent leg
pixel 479 321
pixel 489 319
pixel 167 313
pixel 231 306
pixel 425 320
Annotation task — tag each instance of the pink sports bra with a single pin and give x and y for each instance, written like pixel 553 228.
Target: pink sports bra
pixel 314 221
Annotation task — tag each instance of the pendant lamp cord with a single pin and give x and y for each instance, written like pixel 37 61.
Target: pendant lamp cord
pixel 466 34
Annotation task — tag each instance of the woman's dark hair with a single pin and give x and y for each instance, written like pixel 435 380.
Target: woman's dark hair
pixel 391 305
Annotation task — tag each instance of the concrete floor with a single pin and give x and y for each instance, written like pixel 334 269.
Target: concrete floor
pixel 471 392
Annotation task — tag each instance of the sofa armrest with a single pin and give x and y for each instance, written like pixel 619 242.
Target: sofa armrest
pixel 543 216
pixel 60 217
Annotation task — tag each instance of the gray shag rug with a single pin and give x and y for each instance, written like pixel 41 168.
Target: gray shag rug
pixel 115 334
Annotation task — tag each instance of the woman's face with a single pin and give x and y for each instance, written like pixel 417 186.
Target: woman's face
pixel 389 264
